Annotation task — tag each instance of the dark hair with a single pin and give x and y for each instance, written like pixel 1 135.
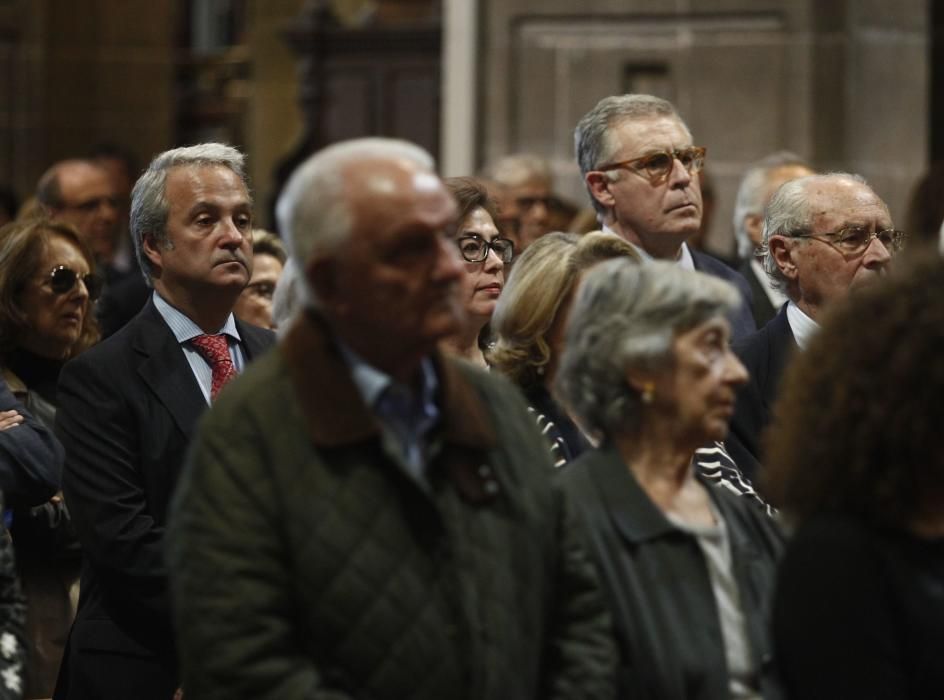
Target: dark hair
pixel 857 427
pixel 926 206
pixel 470 194
pixel 22 245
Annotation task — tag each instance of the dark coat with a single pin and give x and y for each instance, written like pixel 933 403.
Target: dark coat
pixel 315 568
pixel 30 457
pixel 658 585
pixel 127 410
pixel 742 321
pixel 765 354
pixel 761 308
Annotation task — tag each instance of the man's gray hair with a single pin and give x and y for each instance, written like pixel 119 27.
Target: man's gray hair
pixel 789 213
pixel 752 191
pixel 312 212
pixel 149 205
pixel 626 316
pixel 519 169
pixel 591 137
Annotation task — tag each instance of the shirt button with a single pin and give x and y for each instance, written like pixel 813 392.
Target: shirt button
pixel 485 471
pixel 491 487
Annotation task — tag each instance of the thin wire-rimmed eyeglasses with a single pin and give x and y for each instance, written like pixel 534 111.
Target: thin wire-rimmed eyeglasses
pixel 474 248
pixel 63 279
pixel 854 240
pixel 656 167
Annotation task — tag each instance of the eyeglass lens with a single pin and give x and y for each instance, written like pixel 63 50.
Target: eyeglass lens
pixel 63 280
pixel 858 238
pixel 475 249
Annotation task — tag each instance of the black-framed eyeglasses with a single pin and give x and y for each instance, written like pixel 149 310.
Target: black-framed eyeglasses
pixel 854 240
pixel 474 248
pixel 656 167
pixel 62 280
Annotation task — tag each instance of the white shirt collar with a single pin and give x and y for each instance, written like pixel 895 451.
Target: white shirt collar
pixel 803 327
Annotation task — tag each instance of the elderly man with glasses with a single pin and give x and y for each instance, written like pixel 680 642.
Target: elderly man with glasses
pixel 642 172
pixel 823 236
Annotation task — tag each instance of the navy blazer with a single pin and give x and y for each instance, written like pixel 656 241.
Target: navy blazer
pixel 128 408
pixel 30 457
pixel 765 354
pixel 742 320
pixel 761 308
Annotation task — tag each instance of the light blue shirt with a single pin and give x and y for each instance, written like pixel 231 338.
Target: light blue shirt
pixel 405 415
pixel 185 329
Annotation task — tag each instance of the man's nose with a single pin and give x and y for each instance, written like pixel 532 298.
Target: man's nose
pixel 876 254
pixel 232 235
pixel 679 175
pixel 449 264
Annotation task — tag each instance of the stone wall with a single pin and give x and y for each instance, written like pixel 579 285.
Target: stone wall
pixel 843 83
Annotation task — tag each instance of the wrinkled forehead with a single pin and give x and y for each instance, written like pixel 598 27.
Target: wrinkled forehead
pixel 844 202
pixel 636 136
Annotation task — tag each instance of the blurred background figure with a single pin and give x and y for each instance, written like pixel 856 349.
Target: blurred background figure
pixel 81 193
pixel 757 187
pixel 47 286
pixel 9 205
pixel 485 252
pixel 647 368
pixel 254 305
pixel 523 189
pixel 926 206
pixel 855 460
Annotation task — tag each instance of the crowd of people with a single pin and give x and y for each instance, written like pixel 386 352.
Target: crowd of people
pixel 453 439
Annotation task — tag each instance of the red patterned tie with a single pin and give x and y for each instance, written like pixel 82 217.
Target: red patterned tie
pixel 215 350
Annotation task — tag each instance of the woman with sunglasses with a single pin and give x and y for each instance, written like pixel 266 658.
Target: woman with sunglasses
pixel 485 253
pixel 47 286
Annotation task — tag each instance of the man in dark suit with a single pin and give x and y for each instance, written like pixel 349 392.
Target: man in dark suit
pixel 642 172
pixel 129 407
pixel 757 187
pixel 823 236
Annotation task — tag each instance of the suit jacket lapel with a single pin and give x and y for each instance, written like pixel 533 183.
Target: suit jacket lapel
pixel 782 346
pixel 165 370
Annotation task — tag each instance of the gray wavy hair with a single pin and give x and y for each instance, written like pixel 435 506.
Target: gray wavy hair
pixel 789 213
pixel 591 137
pixel 627 316
pixel 149 205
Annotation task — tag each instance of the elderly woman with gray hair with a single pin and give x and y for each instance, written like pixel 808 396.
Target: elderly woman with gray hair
pixel 688 569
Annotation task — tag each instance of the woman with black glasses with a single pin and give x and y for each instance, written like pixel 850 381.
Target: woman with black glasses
pixel 485 253
pixel 47 286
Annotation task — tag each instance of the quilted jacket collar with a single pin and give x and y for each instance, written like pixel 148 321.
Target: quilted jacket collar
pixel 336 414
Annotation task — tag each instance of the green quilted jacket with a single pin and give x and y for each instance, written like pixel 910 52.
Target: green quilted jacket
pixel 305 564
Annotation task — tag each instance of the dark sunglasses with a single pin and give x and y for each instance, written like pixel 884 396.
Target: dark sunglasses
pixel 63 279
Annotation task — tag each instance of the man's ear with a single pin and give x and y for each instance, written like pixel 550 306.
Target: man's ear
pixel 151 250
pixel 324 277
pixel 599 186
pixel 782 252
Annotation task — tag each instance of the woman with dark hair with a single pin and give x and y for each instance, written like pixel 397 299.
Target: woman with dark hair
pixel 856 463
pixel 47 286
pixel 485 252
pixel 686 567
